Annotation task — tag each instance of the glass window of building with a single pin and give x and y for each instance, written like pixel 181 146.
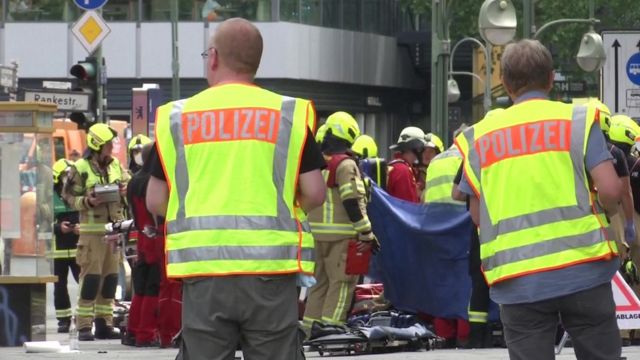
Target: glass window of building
pixel 331 13
pixel 351 15
pixel 35 10
pixel 310 12
pixel 289 10
pixel 220 10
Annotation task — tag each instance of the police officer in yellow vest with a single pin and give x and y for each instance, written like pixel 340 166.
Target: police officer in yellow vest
pixel 98 262
pixel 241 168
pixel 545 242
pixel 63 250
pixel 342 217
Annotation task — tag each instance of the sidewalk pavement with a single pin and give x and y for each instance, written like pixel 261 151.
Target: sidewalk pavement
pixel 112 349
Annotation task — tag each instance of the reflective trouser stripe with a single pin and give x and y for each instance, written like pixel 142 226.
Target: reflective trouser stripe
pixel 341 304
pixel 308 321
pixel 62 254
pixel 86 311
pixel 62 313
pixel 104 309
pixel 478 316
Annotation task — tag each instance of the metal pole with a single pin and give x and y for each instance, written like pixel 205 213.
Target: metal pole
pixel 440 47
pixel 487 84
pixel 175 63
pixel 527 19
pixel 544 27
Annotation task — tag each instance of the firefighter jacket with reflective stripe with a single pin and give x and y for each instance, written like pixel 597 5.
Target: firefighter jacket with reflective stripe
pixel 401 181
pixel 231 156
pixel 440 174
pixel 64 245
pixel 537 212
pixel 84 175
pixel 330 222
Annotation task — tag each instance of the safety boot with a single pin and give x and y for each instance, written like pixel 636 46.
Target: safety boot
pixel 63 325
pixel 105 332
pixel 85 334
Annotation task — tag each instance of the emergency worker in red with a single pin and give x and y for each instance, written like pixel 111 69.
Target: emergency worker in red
pixel 401 177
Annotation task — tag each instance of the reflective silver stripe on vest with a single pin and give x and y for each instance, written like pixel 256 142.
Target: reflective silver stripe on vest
pixel 542 248
pixel 181 173
pixel 447 154
pixel 440 180
pixel 282 221
pixel 207 253
pixel 489 232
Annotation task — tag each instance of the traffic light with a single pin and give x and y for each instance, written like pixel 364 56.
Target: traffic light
pixel 86 73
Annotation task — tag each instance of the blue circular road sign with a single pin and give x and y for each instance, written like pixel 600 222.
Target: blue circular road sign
pixel 633 68
pixel 90 4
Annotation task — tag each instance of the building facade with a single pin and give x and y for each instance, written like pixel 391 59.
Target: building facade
pixel 343 54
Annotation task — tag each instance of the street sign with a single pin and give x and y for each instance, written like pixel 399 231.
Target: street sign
pixel 90 30
pixel 621 73
pixel 59 85
pixel 66 100
pixel 6 77
pixel 90 4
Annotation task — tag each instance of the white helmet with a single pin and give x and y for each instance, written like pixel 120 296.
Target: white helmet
pixel 411 138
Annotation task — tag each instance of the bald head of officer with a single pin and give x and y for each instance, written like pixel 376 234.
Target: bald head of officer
pixel 234 52
pixel 526 66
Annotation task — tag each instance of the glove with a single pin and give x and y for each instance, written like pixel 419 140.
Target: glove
pixel 630 272
pixel 629 232
pixel 370 239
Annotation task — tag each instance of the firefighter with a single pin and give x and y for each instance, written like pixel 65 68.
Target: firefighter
pixel 98 262
pixel 442 170
pixel 341 219
pixel 433 147
pixel 135 152
pixel 621 220
pixel 401 178
pixel 64 246
pixel 370 164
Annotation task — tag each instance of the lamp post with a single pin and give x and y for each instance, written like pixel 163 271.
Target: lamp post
pixel 440 46
pixel 487 82
pixel 591 55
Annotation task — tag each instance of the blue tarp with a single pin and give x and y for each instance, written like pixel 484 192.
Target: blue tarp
pixel 423 262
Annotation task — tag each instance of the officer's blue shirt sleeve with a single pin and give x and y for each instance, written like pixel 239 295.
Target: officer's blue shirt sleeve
pixel 596 153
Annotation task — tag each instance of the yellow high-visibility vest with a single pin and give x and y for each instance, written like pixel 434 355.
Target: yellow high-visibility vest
pixel 537 212
pixel 231 156
pixel 440 174
pixel 88 223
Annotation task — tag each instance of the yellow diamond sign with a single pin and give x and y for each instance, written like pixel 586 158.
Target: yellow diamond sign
pixel 90 30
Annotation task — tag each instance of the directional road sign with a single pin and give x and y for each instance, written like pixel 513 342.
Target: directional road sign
pixel 621 72
pixel 90 30
pixel 90 4
pixel 66 100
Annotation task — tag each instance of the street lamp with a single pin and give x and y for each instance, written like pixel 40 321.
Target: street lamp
pixel 496 17
pixel 497 22
pixel 487 82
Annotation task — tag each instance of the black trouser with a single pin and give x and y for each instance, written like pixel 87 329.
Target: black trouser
pixel 588 316
pixel 60 292
pixel 146 279
pixel 479 302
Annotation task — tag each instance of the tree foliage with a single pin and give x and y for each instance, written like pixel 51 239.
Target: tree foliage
pixel 563 39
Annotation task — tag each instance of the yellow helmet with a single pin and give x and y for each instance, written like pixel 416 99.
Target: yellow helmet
pixel 365 147
pixel 433 141
pixel 98 135
pixel 624 130
pixel 320 133
pixel 59 167
pixel 343 126
pixel 411 138
pixel 138 141
pixel 604 114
